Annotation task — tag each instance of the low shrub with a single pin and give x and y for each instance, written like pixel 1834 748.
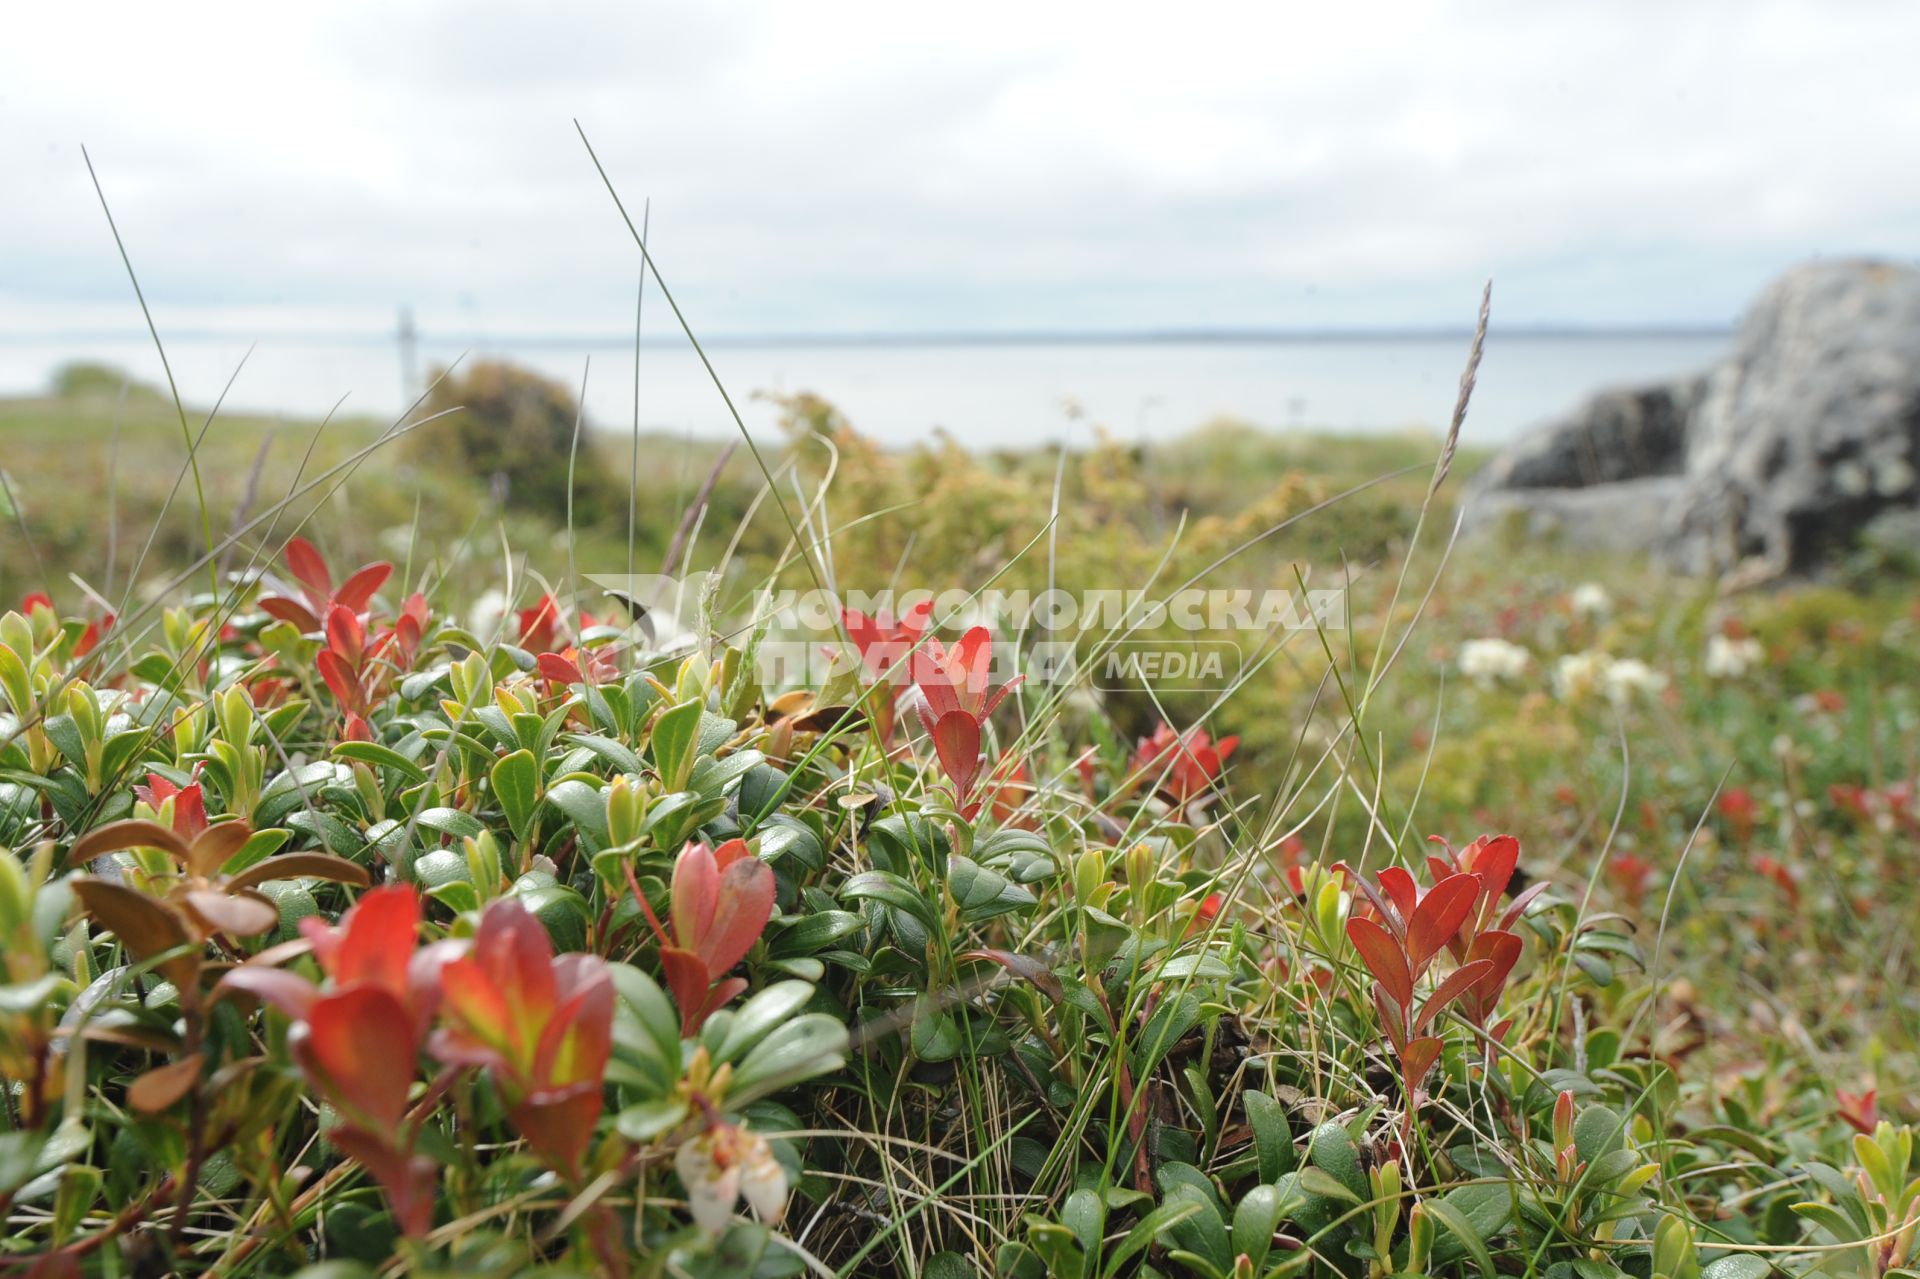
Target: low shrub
pixel 338 934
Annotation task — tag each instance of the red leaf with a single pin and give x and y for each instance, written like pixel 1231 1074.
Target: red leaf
pixel 291 993
pixel 558 669
pixel 1416 1059
pixel 718 997
pixel 345 635
pixel 309 569
pixel 357 590
pixel 213 846
pixel 1026 968
pixel 480 1033
pixel 972 661
pixel 340 678
pixel 408 1178
pixel 160 1087
pixel 730 852
pixel 1400 887
pixel 1493 859
pixel 129 832
pixel 559 1126
pixel 577 1042
pixel 1438 917
pixel 1502 950
pixel 360 1044
pixel 1520 903
pixel 240 915
pixel 1450 989
pixel 1393 1018
pixel 1383 959
pixel 688 979
pixel 693 895
pixel 375 942
pixel 745 905
pixel 293 614
pixel 993 700
pixel 516 951
pixel 956 739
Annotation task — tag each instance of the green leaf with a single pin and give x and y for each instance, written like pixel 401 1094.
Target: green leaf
pixel 516 784
pixel 900 842
pixel 65 734
pixel 759 1015
pixel 1086 1217
pixel 981 893
pixel 583 804
pixel 260 845
pixel 810 933
pixel 382 756
pixel 1200 965
pixel 783 837
pixel 615 753
pixel 713 776
pixel 451 821
pixel 1465 1232
pixel 672 819
pixel 1739 1265
pixel 321 824
pixel 456 895
pixel 1841 1187
pixel 1272 1136
pixel 645 1120
pixel 122 750
pixel 1836 1222
pixel 652 1010
pixel 674 735
pixel 1317 1181
pixel 1203 1234
pixel 1255 1219
pixel 1598 1130
pixel 1483 1208
pixel 1162 1219
pixel 1170 1021
pixel 809 1045
pixel 947 1265
pixel 935 1036
pixel 1057 1248
pixel 881 886
pixel 1332 1150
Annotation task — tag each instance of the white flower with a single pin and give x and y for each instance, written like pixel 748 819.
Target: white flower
pixel 1731 658
pixel 1630 677
pixel 1490 661
pixel 488 612
pixel 724 1164
pixel 1578 675
pixel 1591 601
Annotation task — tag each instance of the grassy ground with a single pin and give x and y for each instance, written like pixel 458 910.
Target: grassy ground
pixel 1731 826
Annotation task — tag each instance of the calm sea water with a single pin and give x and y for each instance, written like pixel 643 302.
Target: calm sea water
pixel 987 395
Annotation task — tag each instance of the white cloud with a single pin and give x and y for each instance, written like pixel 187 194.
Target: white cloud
pixel 866 166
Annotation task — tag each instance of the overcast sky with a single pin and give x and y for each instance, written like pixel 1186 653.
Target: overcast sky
pixel 835 167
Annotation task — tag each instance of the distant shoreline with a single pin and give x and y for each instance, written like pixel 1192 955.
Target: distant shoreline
pixel 1133 337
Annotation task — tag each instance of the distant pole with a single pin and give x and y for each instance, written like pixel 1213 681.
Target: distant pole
pixel 409 339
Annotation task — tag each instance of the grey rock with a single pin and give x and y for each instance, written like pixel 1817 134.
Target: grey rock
pixel 1772 463
pixel 1626 434
pixel 1811 428
pixel 1625 517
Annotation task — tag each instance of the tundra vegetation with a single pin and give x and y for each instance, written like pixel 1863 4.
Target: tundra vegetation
pixel 378 897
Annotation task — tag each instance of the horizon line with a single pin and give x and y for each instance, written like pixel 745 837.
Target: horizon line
pixel 1197 336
